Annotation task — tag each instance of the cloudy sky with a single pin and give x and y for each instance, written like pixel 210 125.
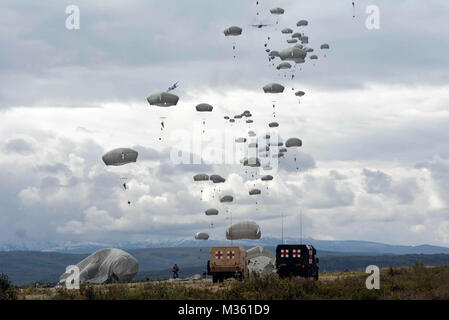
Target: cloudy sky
pixel 374 121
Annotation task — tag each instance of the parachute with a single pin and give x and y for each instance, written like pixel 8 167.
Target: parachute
pixel 267 178
pixel 212 212
pixel 120 157
pixel 277 11
pixel 163 99
pixel 300 93
pixel 273 125
pixel 244 230
pixel 201 177
pixel 252 162
pixel 293 142
pixel 302 23
pixel 202 236
pixel 287 31
pixel 297 35
pixel 204 107
pixel 240 140
pixel 227 199
pixel 106 266
pixel 292 41
pixel 284 65
pixel 217 179
pixel 255 192
pixel 292 54
pixel 233 31
pixel 273 88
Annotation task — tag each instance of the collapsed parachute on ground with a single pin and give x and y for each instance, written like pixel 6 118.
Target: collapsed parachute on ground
pixel 120 157
pixel 163 99
pixel 273 88
pixel 261 261
pixel 201 236
pixel 106 266
pixel 244 230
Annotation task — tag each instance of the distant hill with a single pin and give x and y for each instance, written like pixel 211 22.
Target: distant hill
pixel 351 247
pixel 25 267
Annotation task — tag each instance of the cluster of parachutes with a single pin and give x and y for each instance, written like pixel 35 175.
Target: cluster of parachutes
pixel 259 149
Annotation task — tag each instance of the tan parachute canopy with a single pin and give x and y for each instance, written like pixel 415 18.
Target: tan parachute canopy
pixel 244 230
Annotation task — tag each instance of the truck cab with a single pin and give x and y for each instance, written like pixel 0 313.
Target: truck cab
pixel 227 262
pixel 297 260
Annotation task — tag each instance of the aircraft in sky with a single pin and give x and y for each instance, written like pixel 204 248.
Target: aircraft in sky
pixel 173 87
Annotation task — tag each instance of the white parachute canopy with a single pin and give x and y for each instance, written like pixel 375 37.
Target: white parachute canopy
pixel 244 230
pixel 106 266
pixel 260 260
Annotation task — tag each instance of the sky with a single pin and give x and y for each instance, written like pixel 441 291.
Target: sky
pixel 374 121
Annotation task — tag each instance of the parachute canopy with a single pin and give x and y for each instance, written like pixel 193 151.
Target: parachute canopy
pixel 273 88
pixel 267 178
pixel 217 179
pixel 273 125
pixel 300 93
pixel 233 31
pixel 201 236
pixel 302 23
pixel 287 31
pixel 292 41
pixel 325 46
pixel 255 192
pixel 204 107
pixel 244 230
pixel 201 177
pixel 293 142
pixel 106 266
pixel 227 199
pixel 284 65
pixel 212 212
pixel 277 11
pixel 163 99
pixel 120 157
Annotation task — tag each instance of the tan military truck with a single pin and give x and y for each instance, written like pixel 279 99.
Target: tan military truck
pixel 227 262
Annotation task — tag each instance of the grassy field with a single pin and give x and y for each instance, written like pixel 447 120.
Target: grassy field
pixel 409 283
